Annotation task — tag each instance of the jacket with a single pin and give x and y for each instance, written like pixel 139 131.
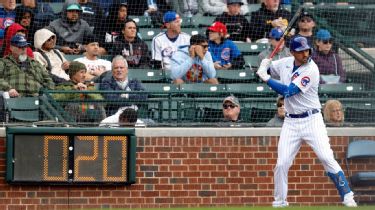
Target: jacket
pixel 238 26
pixel 330 63
pixel 7 18
pixel 261 21
pixel 10 32
pixel 69 34
pixel 191 70
pixel 136 53
pixel 27 78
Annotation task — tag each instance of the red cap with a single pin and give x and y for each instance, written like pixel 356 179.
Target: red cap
pixel 218 27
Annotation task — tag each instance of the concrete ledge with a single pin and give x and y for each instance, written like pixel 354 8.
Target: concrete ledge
pixel 221 132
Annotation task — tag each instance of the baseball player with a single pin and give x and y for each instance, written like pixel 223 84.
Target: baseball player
pixel 299 81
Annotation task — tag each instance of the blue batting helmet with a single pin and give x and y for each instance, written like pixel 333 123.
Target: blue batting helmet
pixel 299 43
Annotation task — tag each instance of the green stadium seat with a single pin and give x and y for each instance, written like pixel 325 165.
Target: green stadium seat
pixel 235 76
pixel 149 44
pixel 202 21
pixel 146 75
pixel 251 48
pixel 22 109
pixel 142 21
pixel 193 31
pixel 253 89
pixel 252 61
pixel 147 34
pixel 56 6
pixel 202 89
pixel 71 57
pixel 340 90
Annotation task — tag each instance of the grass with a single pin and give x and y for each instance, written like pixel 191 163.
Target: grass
pixel 262 208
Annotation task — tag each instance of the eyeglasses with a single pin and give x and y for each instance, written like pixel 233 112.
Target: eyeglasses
pixel 280 105
pixel 204 46
pixel 327 41
pixel 226 106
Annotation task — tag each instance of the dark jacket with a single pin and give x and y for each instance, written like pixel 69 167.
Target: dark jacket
pixel 261 21
pixel 92 13
pixel 330 63
pixel 136 52
pixel 238 26
pixel 109 83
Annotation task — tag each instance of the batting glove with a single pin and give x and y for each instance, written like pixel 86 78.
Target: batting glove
pixel 263 68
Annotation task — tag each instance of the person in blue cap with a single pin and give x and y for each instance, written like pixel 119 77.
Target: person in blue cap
pixel 329 62
pixel 274 38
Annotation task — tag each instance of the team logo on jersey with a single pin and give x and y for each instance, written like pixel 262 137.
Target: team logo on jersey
pixel 305 81
pixel 167 52
pixel 295 75
pixel 225 54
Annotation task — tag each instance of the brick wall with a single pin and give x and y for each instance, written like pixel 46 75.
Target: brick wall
pixel 193 171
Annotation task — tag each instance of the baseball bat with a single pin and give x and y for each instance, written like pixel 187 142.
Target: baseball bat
pixel 288 28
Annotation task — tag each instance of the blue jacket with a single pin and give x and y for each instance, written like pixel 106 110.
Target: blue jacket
pixel 191 70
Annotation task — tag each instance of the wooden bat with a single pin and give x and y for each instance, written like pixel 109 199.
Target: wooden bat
pixel 288 28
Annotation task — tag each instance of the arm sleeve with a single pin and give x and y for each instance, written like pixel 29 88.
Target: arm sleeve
pixel 286 91
pixel 4 85
pixel 340 69
pixel 180 65
pixel 208 66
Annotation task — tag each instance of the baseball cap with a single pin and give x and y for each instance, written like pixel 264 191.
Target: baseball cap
pixel 323 34
pixel 170 16
pixel 89 39
pixel 218 27
pixel 19 40
pixel 276 33
pixel 232 99
pixel 235 2
pixel 74 7
pixel 306 14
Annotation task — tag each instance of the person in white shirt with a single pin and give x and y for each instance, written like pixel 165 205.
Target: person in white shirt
pixel 52 59
pixel 95 66
pixel 166 43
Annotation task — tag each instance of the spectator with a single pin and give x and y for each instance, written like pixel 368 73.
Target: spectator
pixel 270 15
pixel 82 111
pixel 306 26
pixel 218 7
pixel 333 113
pixel 125 117
pixel 278 119
pixel 25 17
pixel 231 112
pixel 152 8
pixel 43 14
pixel 237 24
pixel 12 30
pixel 187 8
pixel 193 63
pixel 107 33
pixel 225 54
pixel 7 17
pixel 91 12
pixel 329 63
pixel 119 81
pixel 95 66
pixel 52 59
pixel 132 48
pixel 19 75
pixel 166 43
pixel 70 29
pixel 274 38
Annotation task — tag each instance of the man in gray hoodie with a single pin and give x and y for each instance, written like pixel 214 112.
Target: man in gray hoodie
pixel 70 29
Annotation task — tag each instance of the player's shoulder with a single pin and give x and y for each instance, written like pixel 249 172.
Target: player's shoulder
pixel 184 35
pixel 161 35
pixel 283 61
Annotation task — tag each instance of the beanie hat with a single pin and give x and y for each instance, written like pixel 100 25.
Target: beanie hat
pixel 75 67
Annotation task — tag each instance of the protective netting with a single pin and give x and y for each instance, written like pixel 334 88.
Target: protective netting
pixel 348 27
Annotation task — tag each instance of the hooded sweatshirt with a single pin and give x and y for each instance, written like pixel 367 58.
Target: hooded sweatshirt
pixel 69 33
pixel 10 32
pixel 40 37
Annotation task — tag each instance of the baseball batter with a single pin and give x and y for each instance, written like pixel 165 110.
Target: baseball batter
pixel 299 81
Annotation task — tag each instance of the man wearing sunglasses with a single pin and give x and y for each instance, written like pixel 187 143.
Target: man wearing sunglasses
pixel 231 111
pixel 193 63
pixel 329 63
pixel 306 26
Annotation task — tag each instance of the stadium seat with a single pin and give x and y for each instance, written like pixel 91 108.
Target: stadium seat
pixel 252 61
pixel 245 90
pixel 147 34
pixel 146 75
pixel 340 90
pixel 251 48
pixel 235 76
pixel 160 89
pixel 71 57
pixel 202 21
pixel 363 151
pixel 142 21
pixel 22 109
pixel 202 89
pixel 193 31
pixel 56 6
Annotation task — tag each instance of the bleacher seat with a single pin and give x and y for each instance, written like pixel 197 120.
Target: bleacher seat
pixel 146 75
pixel 251 48
pixel 147 34
pixel 202 21
pixel 246 89
pixel 193 31
pixel 340 90
pixel 72 57
pixel 22 109
pixel 202 89
pixel 363 151
pixel 142 21
pixel 235 76
pixel 252 61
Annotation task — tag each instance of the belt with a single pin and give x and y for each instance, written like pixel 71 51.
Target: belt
pixel 303 115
